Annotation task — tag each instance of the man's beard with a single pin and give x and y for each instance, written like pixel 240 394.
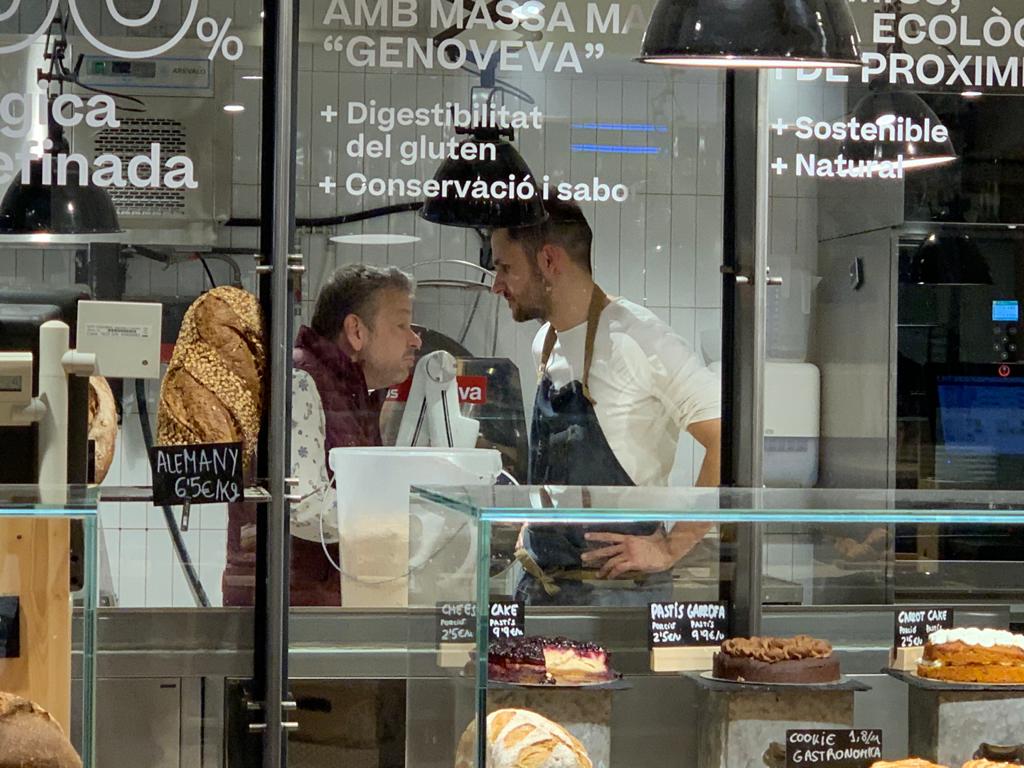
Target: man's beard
pixel 535 306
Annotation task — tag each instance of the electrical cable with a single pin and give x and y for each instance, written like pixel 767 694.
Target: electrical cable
pixel 335 221
pixel 209 274
pixel 191 576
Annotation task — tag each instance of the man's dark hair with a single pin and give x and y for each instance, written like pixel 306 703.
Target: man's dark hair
pixel 353 290
pixel 566 227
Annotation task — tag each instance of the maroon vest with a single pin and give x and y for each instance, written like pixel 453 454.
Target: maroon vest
pixel 352 418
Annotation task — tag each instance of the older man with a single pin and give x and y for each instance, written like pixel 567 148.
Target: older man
pixel 359 343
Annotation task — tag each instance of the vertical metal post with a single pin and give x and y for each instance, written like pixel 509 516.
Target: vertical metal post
pixel 277 234
pixel 745 264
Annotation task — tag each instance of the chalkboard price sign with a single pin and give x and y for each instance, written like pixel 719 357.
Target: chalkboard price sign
pixel 456 623
pixel 507 619
pixel 833 748
pixel 680 625
pixel 197 474
pixel 914 625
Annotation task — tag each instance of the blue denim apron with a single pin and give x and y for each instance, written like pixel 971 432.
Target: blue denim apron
pixel 568 447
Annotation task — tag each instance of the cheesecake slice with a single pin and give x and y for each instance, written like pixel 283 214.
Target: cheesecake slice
pixel 548 660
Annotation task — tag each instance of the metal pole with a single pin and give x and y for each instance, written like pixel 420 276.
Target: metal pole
pixel 745 239
pixel 278 200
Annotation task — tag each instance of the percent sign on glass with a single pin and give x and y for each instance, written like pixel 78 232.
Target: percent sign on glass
pixel 211 31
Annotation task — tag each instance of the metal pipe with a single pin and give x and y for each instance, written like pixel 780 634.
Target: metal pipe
pixel 280 32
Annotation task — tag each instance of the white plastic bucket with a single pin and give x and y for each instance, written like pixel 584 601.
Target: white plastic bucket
pixel 373 488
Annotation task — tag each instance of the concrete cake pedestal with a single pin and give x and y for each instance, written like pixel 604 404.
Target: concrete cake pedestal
pixel 947 722
pixel 741 721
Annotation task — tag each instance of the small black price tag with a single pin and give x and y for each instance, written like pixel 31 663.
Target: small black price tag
pixel 507 619
pixel 199 474
pixel 10 627
pixel 456 623
pixel 913 625
pixel 679 625
pixel 833 748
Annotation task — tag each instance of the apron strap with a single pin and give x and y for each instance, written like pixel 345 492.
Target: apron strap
pixel 598 301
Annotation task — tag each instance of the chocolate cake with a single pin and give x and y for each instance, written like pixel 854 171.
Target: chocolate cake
pixel 800 659
pixel 547 660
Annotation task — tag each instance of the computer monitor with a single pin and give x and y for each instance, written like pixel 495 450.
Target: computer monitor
pixel 980 426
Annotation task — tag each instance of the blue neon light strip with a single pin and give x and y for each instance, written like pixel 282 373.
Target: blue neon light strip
pixel 635 127
pixel 615 149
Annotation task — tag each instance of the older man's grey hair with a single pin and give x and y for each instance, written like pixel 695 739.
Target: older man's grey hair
pixel 355 289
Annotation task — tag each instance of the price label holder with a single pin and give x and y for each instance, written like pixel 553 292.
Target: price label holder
pixel 197 474
pixel 10 627
pixel 456 634
pixel 507 619
pixel 833 748
pixel 910 632
pixel 683 637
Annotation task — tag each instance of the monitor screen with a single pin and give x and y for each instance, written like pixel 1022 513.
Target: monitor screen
pixel 1005 312
pixel 982 414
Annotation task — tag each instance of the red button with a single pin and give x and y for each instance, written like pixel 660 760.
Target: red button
pixel 1004 371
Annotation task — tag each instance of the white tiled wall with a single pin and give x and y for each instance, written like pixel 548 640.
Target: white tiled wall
pixel 661 249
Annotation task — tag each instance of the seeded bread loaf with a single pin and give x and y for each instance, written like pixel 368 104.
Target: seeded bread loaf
pixel 31 738
pixel 519 738
pixel 102 424
pixel 213 390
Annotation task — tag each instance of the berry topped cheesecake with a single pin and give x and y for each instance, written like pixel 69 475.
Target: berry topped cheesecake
pixel 548 661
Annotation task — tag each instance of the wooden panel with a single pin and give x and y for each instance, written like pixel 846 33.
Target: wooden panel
pixel 34 565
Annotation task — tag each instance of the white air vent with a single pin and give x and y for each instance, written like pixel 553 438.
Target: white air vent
pixel 185 120
pixel 132 138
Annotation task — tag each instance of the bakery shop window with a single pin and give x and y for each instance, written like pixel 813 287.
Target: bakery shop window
pixel 128 140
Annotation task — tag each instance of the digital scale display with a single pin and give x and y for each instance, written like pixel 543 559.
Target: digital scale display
pixel 1005 312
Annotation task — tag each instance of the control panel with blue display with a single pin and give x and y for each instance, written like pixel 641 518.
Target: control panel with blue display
pixel 1005 311
pixel 1005 320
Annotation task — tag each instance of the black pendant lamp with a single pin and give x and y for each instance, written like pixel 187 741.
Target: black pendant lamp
pixel 499 164
pixel 70 208
pixel 752 33
pixel 893 112
pixel 951 259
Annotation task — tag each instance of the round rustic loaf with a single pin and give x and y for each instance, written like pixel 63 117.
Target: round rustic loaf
pixel 213 390
pixel 30 737
pixel 102 424
pixel 519 738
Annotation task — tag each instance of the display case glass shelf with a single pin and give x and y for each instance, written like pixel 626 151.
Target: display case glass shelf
pixel 839 565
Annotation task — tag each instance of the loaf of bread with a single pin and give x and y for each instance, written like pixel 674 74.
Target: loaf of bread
pixel 102 424
pixel 31 738
pixel 213 390
pixel 519 738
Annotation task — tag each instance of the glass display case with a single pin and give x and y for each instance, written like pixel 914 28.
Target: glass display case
pixel 48 550
pixel 867 576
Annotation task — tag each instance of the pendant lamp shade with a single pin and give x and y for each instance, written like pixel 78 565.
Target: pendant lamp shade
pixel 894 112
pixel 56 209
pixel 752 33
pixel 499 165
pixel 949 259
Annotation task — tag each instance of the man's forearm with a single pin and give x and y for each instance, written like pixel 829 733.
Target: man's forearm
pixel 684 537
pixel 710 475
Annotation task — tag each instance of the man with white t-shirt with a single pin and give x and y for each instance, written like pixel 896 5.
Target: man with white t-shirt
pixel 617 387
